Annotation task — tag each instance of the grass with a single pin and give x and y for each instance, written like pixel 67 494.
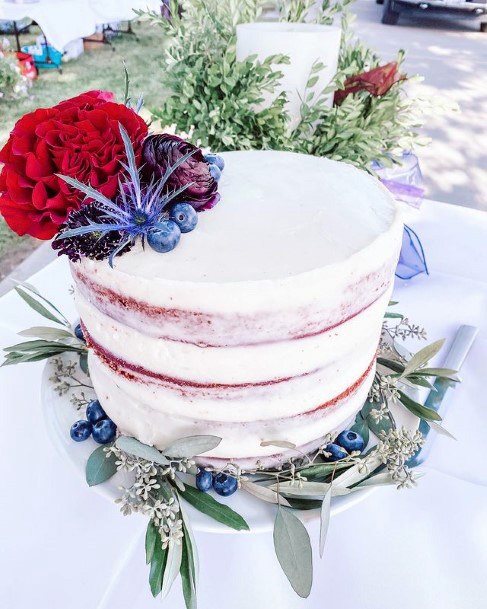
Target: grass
pixel 96 69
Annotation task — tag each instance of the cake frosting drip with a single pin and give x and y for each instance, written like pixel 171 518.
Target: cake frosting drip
pixel 262 325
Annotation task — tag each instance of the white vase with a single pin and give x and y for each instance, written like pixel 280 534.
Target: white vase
pixel 304 44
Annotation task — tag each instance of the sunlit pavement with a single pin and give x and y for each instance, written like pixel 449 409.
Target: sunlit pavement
pixel 452 56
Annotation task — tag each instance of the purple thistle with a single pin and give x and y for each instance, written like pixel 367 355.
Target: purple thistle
pixel 104 228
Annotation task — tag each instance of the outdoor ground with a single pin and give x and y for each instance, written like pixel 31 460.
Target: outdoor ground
pixel 450 54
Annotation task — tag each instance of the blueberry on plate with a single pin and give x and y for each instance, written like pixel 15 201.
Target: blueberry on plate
pixel 185 217
pixel 336 452
pixel 224 484
pixel 104 431
pixel 215 172
pixel 204 480
pixel 80 431
pixel 94 412
pixel 164 236
pixel 78 332
pixel 215 159
pixel 350 441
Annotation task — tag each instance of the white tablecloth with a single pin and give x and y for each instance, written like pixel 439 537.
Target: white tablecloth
pixel 66 20
pixel 63 545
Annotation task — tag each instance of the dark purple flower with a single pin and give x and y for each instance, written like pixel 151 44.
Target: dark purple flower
pixel 162 151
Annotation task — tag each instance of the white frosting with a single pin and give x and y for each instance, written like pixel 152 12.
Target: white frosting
pixel 280 214
pixel 295 241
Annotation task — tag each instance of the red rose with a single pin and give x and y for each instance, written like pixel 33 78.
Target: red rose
pixel 80 138
pixel 377 82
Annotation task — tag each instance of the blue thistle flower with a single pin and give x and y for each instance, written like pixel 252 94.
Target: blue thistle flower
pixel 104 227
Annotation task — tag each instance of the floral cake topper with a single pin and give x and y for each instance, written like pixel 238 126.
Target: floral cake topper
pixel 87 173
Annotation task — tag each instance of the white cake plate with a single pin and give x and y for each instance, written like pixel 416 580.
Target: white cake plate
pixel 60 414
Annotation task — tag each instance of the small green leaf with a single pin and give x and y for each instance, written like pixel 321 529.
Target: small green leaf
pixel 422 357
pixel 307 489
pixel 441 430
pixel 264 493
pixel 389 315
pixel 187 579
pixel 206 504
pixel 83 362
pixel 173 565
pixel 38 306
pixel 321 471
pixel 151 537
pixel 293 550
pixel 325 518
pixel 47 333
pixel 447 373
pixel 423 412
pixel 100 467
pixel 138 449
pixel 360 426
pixel 192 446
pixel 157 567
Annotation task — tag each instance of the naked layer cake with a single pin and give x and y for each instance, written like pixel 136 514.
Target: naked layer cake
pixel 263 325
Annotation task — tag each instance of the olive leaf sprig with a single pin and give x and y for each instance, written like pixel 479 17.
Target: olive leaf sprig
pixel 48 340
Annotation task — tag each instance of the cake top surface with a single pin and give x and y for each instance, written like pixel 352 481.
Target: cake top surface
pixel 280 214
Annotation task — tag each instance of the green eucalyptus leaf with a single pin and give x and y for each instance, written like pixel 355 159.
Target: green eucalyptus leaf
pixel 83 362
pixel 422 357
pixel 206 504
pixel 264 493
pixel 191 446
pixel 47 333
pixel 441 430
pixel 447 373
pixel 360 426
pixel 100 466
pixel 133 447
pixel 38 306
pixel 423 412
pixel 307 489
pixel 293 550
pixel 325 518
pixel 151 538
pixel 358 472
pixel 320 471
pixel 157 567
pixel 173 565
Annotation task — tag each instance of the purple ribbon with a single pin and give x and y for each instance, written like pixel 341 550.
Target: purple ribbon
pixel 405 192
pixel 412 260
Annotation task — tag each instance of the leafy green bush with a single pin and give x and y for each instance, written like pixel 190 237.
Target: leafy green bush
pixel 215 99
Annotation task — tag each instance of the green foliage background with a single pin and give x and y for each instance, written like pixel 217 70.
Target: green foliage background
pixel 211 95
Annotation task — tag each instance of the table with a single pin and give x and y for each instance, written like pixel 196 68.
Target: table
pixel 65 20
pixel 63 545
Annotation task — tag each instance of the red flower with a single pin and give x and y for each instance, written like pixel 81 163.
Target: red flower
pixel 80 138
pixel 377 82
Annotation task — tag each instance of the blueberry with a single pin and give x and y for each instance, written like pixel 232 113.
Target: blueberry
pixel 350 440
pixel 94 412
pixel 164 236
pixel 78 332
pixel 337 452
pixel 204 480
pixel 80 431
pixel 185 217
pixel 224 484
pixel 215 172
pixel 215 159
pixel 104 431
